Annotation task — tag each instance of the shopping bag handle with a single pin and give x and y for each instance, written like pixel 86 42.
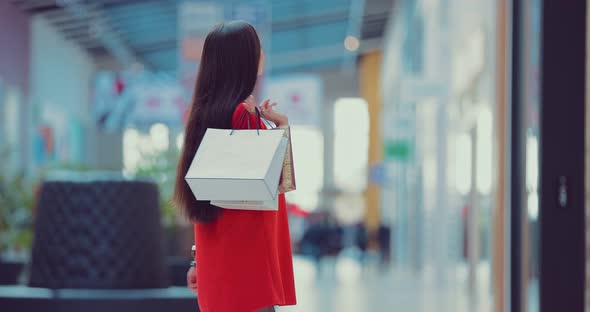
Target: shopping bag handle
pixel 264 120
pixel 258 126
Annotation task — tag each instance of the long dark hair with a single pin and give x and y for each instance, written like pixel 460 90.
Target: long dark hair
pixel 227 76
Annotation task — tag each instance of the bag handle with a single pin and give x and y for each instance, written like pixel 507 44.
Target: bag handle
pixel 258 126
pixel 264 120
pixel 260 118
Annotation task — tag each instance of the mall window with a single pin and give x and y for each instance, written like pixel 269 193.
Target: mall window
pixel 351 144
pixel 180 141
pixel 484 151
pixel 139 147
pixel 462 163
pixel 308 158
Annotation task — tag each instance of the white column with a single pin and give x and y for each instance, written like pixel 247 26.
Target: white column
pixel 441 215
pixel 473 236
pixel 327 199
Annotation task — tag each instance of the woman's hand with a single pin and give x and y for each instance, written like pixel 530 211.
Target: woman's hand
pixel 191 279
pixel 267 111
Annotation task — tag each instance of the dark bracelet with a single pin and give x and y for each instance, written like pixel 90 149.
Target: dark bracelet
pixel 193 263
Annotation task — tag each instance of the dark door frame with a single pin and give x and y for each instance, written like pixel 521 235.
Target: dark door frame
pixel 517 156
pixel 561 153
pixel 562 145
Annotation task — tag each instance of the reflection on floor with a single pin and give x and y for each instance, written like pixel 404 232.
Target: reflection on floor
pixel 342 285
pixel 533 304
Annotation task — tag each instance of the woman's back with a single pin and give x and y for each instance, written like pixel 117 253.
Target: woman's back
pixel 244 260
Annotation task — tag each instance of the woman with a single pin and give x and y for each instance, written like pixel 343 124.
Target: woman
pixel 243 257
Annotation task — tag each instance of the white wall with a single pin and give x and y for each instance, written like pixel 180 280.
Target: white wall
pixel 61 77
pixel 61 72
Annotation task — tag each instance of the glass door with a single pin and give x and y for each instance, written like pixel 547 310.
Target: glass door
pixel 530 103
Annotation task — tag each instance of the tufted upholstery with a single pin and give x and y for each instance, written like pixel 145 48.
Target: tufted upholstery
pixel 98 235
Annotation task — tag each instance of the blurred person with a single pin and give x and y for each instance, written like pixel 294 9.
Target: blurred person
pixel 243 257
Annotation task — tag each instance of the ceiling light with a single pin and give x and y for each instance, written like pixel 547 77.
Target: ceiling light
pixel 351 43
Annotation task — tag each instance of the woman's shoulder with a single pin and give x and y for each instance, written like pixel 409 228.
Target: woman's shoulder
pixel 242 119
pixel 239 111
pixel 241 107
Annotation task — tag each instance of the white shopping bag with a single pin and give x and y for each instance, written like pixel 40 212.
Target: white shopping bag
pixel 238 165
pixel 267 205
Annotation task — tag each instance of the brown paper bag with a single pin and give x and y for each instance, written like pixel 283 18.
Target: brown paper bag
pixel 287 181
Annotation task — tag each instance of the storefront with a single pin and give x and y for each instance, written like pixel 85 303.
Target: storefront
pixel 490 97
pixel 443 111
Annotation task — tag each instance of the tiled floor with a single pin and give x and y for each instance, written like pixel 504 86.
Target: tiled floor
pixel 344 287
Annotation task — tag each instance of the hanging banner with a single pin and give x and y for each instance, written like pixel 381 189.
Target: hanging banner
pixel 158 101
pixel 137 99
pixel 299 96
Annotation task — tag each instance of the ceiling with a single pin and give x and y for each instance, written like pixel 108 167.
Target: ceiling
pixel 304 33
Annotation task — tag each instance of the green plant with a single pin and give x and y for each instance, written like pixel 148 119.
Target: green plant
pixel 16 205
pixel 161 168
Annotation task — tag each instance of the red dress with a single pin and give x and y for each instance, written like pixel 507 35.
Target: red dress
pixel 244 260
